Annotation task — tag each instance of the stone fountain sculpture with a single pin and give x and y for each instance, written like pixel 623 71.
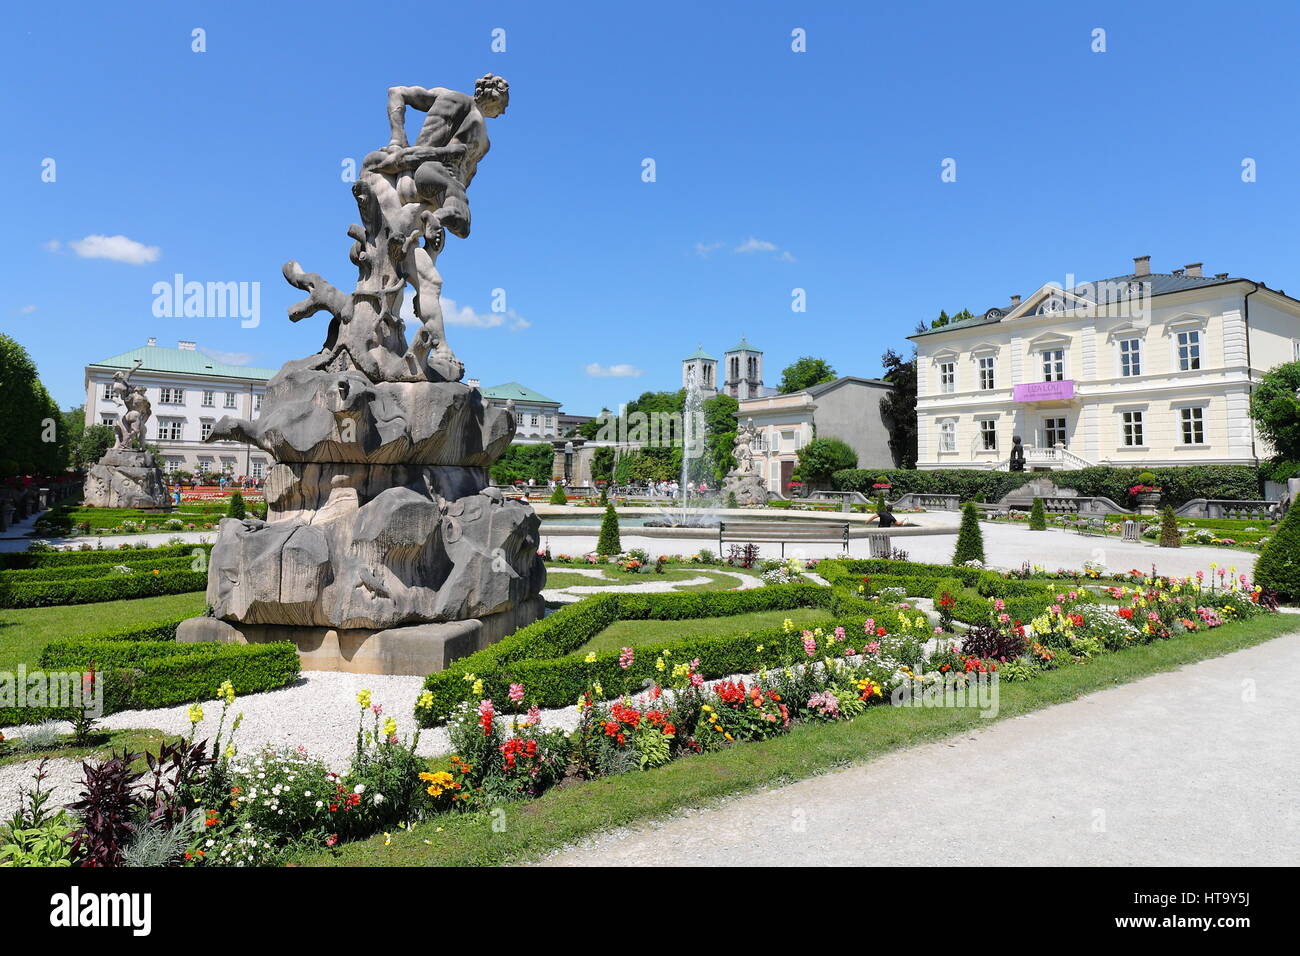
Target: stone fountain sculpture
pixel 383 550
pixel 127 476
pixel 745 481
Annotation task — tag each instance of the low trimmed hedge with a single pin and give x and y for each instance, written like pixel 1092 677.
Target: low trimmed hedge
pixel 144 667
pixel 110 587
pixel 101 569
pixel 1181 483
pixel 23 560
pixel 543 657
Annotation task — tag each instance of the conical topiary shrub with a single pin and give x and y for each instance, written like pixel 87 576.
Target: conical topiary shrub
pixel 236 509
pixel 1170 536
pixel 970 539
pixel 1037 516
pixel 1278 565
pixel 558 497
pixel 609 542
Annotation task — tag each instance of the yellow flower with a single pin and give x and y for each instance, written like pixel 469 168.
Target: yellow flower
pixel 659 663
pixel 590 658
pixel 390 727
pixel 787 625
pixel 388 839
pixel 226 692
pixel 477 689
pixel 195 714
pixel 600 691
pixel 363 698
pixel 425 702
pixel 759 649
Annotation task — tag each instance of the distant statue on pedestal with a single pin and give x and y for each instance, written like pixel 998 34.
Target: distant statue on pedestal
pixel 1017 455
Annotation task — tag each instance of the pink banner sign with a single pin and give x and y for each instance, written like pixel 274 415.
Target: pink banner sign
pixel 1044 391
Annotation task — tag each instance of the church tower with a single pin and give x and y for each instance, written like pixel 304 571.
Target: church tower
pixel 743 365
pixel 706 370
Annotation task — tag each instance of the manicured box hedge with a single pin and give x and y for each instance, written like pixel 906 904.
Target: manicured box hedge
pixel 101 569
pixel 542 655
pixel 20 560
pixel 112 587
pixel 143 667
pixel 1181 483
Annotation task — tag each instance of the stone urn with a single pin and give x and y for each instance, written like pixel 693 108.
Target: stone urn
pixel 1148 502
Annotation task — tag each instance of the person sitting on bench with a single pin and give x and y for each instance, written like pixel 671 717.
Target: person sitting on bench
pixel 887 518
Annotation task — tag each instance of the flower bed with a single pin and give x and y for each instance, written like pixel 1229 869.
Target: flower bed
pixel 543 656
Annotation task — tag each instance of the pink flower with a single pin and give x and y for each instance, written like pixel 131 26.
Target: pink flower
pixel 1055 609
pixel 516 693
pixel 839 631
pixel 873 647
pixel 869 627
pixel 1004 618
pixel 1073 595
pixel 626 657
pixel 999 605
pixel 697 680
pixel 809 643
pixel 377 710
pixel 534 714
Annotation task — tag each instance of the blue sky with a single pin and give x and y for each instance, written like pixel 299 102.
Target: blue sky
pixel 775 170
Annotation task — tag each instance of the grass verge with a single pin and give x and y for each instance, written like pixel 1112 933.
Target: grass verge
pixel 636 633
pixel 572 812
pixel 24 632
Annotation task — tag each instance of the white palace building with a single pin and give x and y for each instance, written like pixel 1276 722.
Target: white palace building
pixel 1139 370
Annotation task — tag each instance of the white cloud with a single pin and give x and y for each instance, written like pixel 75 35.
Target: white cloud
pixel 705 249
pixel 27 309
pixel 116 248
pixel 465 317
pixel 229 358
pixel 596 370
pixel 52 245
pixel 756 245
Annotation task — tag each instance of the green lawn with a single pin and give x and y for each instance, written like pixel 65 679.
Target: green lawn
pixel 635 633
pixel 562 576
pixel 99 745
pixel 24 632
pixel 569 813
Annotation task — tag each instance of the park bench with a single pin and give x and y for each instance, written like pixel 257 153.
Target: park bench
pixel 784 531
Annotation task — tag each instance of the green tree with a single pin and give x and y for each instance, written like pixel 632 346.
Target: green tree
pixel 236 509
pixel 609 541
pixel 91 445
pixel 1037 516
pixel 1170 536
pixel 805 373
pixel 33 436
pixel 558 497
pixel 1278 564
pixel 1276 410
pixel 822 457
pixel 523 461
pixel 898 407
pixel 970 539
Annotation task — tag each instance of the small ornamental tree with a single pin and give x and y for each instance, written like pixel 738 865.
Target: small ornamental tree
pixel 609 541
pixel 1037 516
pixel 731 500
pixel 970 540
pixel 1278 565
pixel 237 509
pixel 1170 536
pixel 558 497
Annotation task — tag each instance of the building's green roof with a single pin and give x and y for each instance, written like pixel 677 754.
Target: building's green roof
pixel 700 354
pixel 517 392
pixel 744 346
pixel 156 358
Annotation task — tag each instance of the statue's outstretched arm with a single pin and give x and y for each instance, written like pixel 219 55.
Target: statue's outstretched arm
pixel 399 98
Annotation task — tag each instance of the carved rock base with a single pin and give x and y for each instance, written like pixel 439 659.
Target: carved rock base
pixel 125 478
pixel 748 489
pixel 417 649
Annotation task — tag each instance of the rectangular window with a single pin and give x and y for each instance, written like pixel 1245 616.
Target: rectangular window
pixel 209 399
pixel 1054 365
pixel 1054 432
pixel 1193 420
pixel 171 396
pixel 1133 436
pixel 986 373
pixel 230 399
pixel 947 436
pixel 169 429
pixel 108 391
pixel 532 419
pixel 989 434
pixel 1130 357
pixel 258 465
pixel 257 403
pixel 205 428
pixel 108 420
pixel 947 377
pixel 1189 350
